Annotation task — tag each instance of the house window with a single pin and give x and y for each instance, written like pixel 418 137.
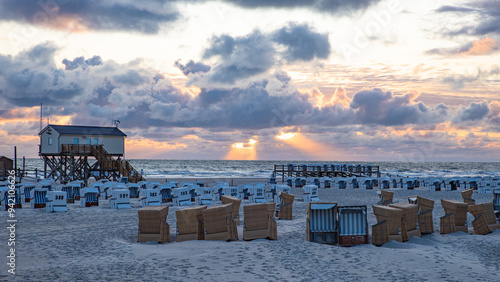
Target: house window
pixel 89 141
pixel 96 141
pixel 76 141
pixel 50 140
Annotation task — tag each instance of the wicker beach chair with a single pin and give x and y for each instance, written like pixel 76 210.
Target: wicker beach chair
pixel 425 208
pixel 150 197
pixel 459 209
pixel 386 197
pixel 153 224
pixel 480 225
pixel 285 207
pixel 88 197
pixel 467 196
pixel 394 219
pixel 410 219
pixel 38 198
pixel 256 194
pixel 486 209
pixel 310 193
pixel 190 225
pixel 219 225
pixel 259 222
pixel 380 233
pixel 236 206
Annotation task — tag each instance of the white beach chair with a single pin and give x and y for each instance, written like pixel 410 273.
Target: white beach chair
pixel 68 189
pixel 120 199
pixel 484 187
pixel 270 191
pixel 88 197
pixel 150 197
pixel 181 196
pixel 310 193
pixel 38 198
pixel 133 188
pixel 204 196
pixel 56 201
pixel 256 194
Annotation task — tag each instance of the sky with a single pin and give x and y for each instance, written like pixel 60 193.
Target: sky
pixel 360 80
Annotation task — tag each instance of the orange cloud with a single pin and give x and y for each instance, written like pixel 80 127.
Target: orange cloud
pixel 482 47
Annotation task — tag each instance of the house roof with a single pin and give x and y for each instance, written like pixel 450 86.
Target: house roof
pixel 4 157
pixel 84 130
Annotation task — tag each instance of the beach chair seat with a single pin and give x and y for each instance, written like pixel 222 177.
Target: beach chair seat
pixel 459 209
pixel 38 198
pixel 380 233
pixel 153 224
pixel 386 197
pixel 56 201
pixel 310 193
pixel 321 223
pixel 467 197
pixel 259 222
pixel 219 225
pixel 410 219
pixel 166 193
pixel 134 190
pixel 488 212
pixel 88 197
pixel 480 225
pixel 226 199
pixel 256 194
pixel 190 224
pixel 120 199
pixel 447 224
pixel 181 196
pixel 285 207
pixel 10 197
pixel 353 225
pixel 68 189
pixel 26 192
pixel 394 219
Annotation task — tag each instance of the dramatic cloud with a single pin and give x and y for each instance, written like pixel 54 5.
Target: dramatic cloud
pixel 192 67
pixel 473 112
pixel 140 16
pixel 487 18
pixel 376 106
pixel 302 44
pixel 81 62
pixel 326 6
pixel 247 56
pixel 458 82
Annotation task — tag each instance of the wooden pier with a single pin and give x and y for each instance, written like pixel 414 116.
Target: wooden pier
pixel 330 170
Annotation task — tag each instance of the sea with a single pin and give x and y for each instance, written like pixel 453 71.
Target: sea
pixel 156 168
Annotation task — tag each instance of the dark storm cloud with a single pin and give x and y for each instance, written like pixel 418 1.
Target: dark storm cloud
pixel 473 112
pixel 302 43
pixel 325 6
pixel 81 62
pixel 247 56
pixel 140 16
pixel 31 77
pixel 376 106
pixel 486 12
pixel 192 67
pixel 240 57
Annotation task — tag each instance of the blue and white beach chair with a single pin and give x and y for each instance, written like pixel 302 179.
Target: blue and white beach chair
pixel 56 201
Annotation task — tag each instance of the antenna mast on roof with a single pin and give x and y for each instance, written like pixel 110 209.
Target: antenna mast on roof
pixel 41 116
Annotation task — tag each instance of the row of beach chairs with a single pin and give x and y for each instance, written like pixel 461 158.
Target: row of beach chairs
pixel 215 223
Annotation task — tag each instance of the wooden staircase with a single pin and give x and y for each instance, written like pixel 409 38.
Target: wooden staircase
pixel 105 160
pixel 108 162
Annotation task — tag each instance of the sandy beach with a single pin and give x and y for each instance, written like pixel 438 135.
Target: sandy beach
pixel 97 244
